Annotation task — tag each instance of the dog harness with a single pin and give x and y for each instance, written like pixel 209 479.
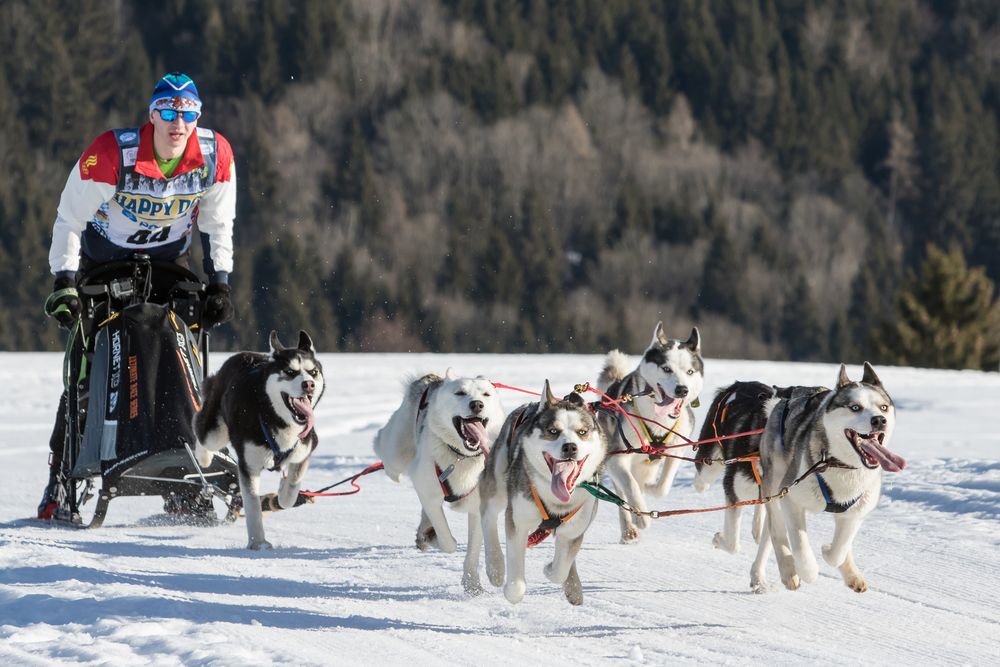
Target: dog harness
pixel 449 493
pixel 279 456
pixel 549 522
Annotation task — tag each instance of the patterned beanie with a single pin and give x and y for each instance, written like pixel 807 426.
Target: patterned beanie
pixel 175 91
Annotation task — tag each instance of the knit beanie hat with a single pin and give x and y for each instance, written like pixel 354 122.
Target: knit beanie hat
pixel 175 91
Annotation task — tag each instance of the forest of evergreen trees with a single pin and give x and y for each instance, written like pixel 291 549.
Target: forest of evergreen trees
pixel 802 179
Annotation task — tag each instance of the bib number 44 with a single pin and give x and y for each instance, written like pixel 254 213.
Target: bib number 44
pixel 144 236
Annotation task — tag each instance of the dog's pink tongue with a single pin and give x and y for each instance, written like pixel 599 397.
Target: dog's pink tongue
pixel 669 409
pixel 889 460
pixel 304 406
pixel 562 474
pixel 475 432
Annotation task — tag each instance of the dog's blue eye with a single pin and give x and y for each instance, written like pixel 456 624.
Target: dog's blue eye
pixel 582 432
pixel 855 408
pixel 553 431
pixel 666 369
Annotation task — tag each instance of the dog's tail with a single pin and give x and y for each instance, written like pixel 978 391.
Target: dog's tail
pixel 395 443
pixel 616 367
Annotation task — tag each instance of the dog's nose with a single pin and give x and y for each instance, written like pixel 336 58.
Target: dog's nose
pixel 879 422
pixel 681 391
pixel 476 407
pixel 308 386
pixel 569 450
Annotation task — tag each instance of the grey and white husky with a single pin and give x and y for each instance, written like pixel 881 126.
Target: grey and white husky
pixel 665 384
pixel 439 437
pixel 740 408
pixel 262 404
pixel 850 428
pixel 544 451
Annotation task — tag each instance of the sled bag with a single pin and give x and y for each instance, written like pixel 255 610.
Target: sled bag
pixel 145 388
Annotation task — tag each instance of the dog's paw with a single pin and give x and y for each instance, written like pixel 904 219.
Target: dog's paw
pixel 758 586
pixel 630 535
pixel 495 573
pixel 426 539
pixel 791 582
pixel 720 542
pixel 514 591
pixel 470 582
pixel 447 544
pixel 856 583
pixel 573 591
pixel 808 571
pixel 257 545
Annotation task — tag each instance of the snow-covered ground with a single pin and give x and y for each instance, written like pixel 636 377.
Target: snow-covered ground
pixel 345 585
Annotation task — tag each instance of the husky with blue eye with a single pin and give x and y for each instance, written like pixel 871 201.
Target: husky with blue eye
pixel 262 405
pixel 849 428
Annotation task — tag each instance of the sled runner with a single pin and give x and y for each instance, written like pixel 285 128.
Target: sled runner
pixel 133 373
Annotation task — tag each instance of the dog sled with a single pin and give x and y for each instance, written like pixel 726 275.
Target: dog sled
pixel 133 373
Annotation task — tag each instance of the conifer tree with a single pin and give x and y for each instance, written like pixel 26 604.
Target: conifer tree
pixel 948 317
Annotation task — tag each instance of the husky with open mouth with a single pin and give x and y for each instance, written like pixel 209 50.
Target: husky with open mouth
pixel 533 475
pixel 848 427
pixel 439 437
pixel 262 405
pixel 664 386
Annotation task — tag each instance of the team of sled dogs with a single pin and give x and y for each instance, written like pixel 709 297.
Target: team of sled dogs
pixel 453 439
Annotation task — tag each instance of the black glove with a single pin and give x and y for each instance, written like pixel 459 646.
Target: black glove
pixel 64 303
pixel 218 308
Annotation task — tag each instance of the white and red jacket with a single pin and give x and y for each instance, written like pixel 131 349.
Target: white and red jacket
pixel 117 202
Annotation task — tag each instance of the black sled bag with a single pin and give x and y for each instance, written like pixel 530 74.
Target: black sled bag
pixel 145 388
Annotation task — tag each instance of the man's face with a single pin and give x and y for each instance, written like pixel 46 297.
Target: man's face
pixel 170 138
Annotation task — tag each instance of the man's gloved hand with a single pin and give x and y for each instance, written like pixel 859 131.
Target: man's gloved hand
pixel 218 308
pixel 64 303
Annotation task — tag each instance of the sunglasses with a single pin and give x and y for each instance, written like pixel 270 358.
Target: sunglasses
pixel 170 115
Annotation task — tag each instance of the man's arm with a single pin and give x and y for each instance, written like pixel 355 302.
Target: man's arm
pixel 91 183
pixel 216 213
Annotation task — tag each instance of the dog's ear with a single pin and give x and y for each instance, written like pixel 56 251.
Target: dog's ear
pixel 694 340
pixel 869 377
pixel 450 374
pixel 548 399
pixel 842 379
pixel 305 342
pixel 276 345
pixel 660 338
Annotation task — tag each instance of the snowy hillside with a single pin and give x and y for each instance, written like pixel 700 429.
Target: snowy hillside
pixel 345 585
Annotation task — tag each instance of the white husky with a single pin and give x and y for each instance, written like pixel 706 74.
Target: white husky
pixel 665 384
pixel 439 437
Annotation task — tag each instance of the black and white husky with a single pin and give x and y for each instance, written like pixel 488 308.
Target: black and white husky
pixel 439 437
pixel 664 385
pixel 262 404
pixel 544 451
pixel 849 427
pixel 741 407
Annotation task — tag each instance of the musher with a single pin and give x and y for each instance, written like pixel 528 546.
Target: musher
pixel 142 190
